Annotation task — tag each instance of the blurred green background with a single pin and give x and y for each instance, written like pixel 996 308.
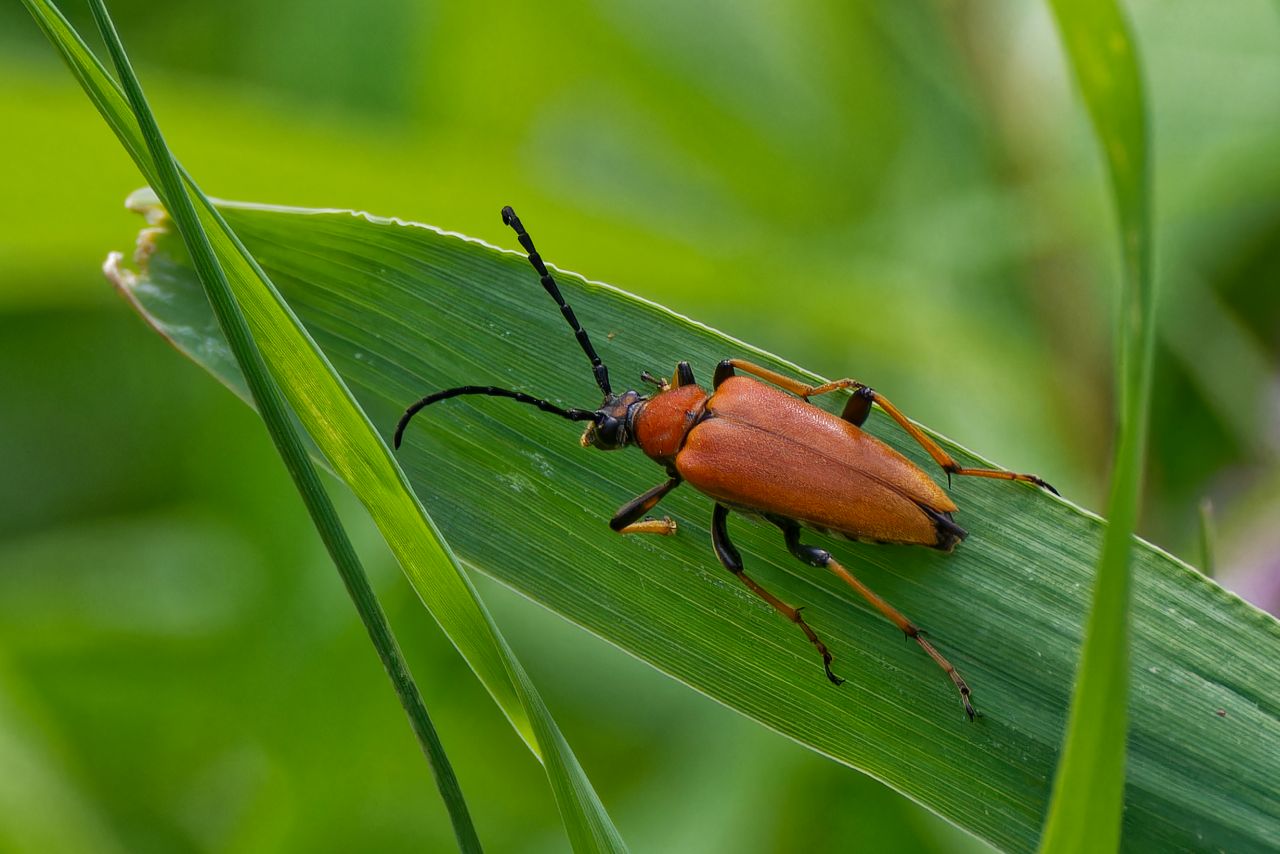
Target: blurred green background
pixel 905 193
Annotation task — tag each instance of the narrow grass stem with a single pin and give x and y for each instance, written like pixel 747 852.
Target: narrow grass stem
pixel 1089 786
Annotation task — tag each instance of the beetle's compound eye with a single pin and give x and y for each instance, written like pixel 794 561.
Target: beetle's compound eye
pixel 608 433
pixel 610 429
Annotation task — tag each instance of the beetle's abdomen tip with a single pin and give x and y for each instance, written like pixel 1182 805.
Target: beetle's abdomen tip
pixel 949 533
pixel 947 541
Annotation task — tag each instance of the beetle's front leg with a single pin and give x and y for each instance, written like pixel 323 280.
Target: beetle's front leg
pixel 733 562
pixel 627 520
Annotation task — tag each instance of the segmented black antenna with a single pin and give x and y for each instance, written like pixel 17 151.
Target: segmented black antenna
pixel 549 284
pixel 570 414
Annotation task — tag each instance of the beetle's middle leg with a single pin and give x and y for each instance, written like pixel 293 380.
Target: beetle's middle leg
pixel 627 520
pixel 815 556
pixel 859 407
pixel 733 562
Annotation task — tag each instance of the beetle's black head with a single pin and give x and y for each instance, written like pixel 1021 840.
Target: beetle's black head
pixel 612 427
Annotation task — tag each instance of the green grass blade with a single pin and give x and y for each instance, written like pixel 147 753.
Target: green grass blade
pixel 1089 789
pixel 275 414
pixel 403 309
pixel 348 444
pixel 1208 539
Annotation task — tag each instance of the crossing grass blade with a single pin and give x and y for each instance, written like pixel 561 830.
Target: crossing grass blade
pixel 345 440
pixel 278 420
pixel 402 309
pixel 1089 791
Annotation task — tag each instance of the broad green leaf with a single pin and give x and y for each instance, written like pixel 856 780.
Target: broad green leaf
pixel 347 443
pixel 1089 790
pixel 402 309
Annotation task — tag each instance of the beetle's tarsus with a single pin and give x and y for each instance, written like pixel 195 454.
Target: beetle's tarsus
pixel 663 527
pixel 965 693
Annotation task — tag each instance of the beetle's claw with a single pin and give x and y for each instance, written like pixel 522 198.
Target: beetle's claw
pixel 965 694
pixel 1046 485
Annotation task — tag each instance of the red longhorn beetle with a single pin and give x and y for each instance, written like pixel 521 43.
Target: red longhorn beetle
pixel 759 451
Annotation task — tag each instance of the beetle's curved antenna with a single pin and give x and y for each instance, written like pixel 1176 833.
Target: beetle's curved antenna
pixel 549 284
pixel 569 414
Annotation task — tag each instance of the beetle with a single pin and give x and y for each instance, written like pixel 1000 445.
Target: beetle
pixel 764 451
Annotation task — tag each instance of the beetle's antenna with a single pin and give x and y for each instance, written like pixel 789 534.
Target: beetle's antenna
pixel 570 414
pixel 602 373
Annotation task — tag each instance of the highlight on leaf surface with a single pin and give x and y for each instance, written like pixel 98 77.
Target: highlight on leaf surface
pixel 402 309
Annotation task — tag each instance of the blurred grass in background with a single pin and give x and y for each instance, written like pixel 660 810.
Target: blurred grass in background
pixel 923 174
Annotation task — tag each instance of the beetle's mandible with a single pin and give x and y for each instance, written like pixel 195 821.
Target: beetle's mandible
pixel 763 450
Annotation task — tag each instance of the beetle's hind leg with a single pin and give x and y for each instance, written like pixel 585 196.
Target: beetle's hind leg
pixel 817 557
pixel 733 562
pixel 627 520
pixel 859 407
